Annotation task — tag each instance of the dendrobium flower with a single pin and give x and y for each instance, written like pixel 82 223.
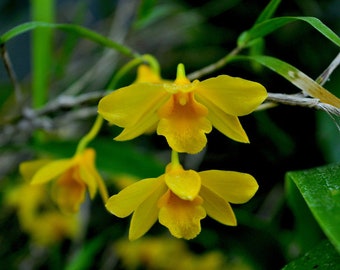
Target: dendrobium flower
pixel 180 198
pixel 183 111
pixel 73 176
pixel 154 253
pixel 38 216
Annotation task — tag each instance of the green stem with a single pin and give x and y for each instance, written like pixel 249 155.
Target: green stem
pixel 152 61
pixel 131 64
pixel 122 71
pixel 42 10
pixel 91 135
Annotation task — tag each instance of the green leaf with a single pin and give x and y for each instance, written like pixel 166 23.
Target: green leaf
pixel 327 131
pixel 111 156
pixel 323 256
pixel 71 28
pixel 268 26
pixel 268 11
pixel 123 157
pixel 320 188
pixel 306 233
pixel 295 76
pixel 85 256
pixel 145 9
pixel 41 51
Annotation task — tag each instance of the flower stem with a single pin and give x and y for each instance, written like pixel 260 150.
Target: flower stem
pixel 131 64
pixel 175 158
pixel 91 135
pixel 152 61
pixel 42 10
pixel 122 71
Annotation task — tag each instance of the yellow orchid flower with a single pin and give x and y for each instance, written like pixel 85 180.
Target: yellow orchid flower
pixel 182 111
pixel 180 198
pixel 73 176
pixel 38 216
pixel 154 253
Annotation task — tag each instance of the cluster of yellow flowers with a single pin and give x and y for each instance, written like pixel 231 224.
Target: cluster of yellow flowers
pixel 38 216
pixel 183 112
pixel 154 253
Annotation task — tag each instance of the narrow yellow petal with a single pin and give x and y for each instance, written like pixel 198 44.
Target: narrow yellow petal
pixel 29 168
pixel 184 183
pixel 217 208
pixel 184 123
pixel 181 217
pixel 88 178
pixel 129 105
pixel 146 74
pixel 145 125
pixel 234 187
pixel 86 166
pixel 51 170
pixel 127 200
pixel 94 180
pixel 227 124
pixel 234 96
pixel 146 213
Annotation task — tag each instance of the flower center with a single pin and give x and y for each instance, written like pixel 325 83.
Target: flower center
pixel 183 86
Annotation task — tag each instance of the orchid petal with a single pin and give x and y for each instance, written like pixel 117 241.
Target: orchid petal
pixel 127 200
pixel 146 213
pixel 29 168
pixel 146 125
pixel 185 184
pixel 127 106
pixel 87 169
pixel 217 208
pixel 234 187
pixel 234 96
pixel 89 179
pixel 181 217
pixel 51 170
pixel 227 124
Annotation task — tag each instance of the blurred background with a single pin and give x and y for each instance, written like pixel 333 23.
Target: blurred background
pixel 195 33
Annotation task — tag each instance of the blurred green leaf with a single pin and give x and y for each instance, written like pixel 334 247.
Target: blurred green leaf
pixel 111 156
pixel 159 11
pixel 71 28
pixel 295 76
pixel 85 256
pixel 145 9
pixel 323 256
pixel 268 26
pixel 327 131
pixel 123 157
pixel 320 188
pixel 268 11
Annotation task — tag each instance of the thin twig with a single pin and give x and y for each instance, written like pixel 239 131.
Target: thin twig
pixel 302 101
pixel 324 77
pixel 215 66
pixel 11 73
pixel 64 102
pixel 120 26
